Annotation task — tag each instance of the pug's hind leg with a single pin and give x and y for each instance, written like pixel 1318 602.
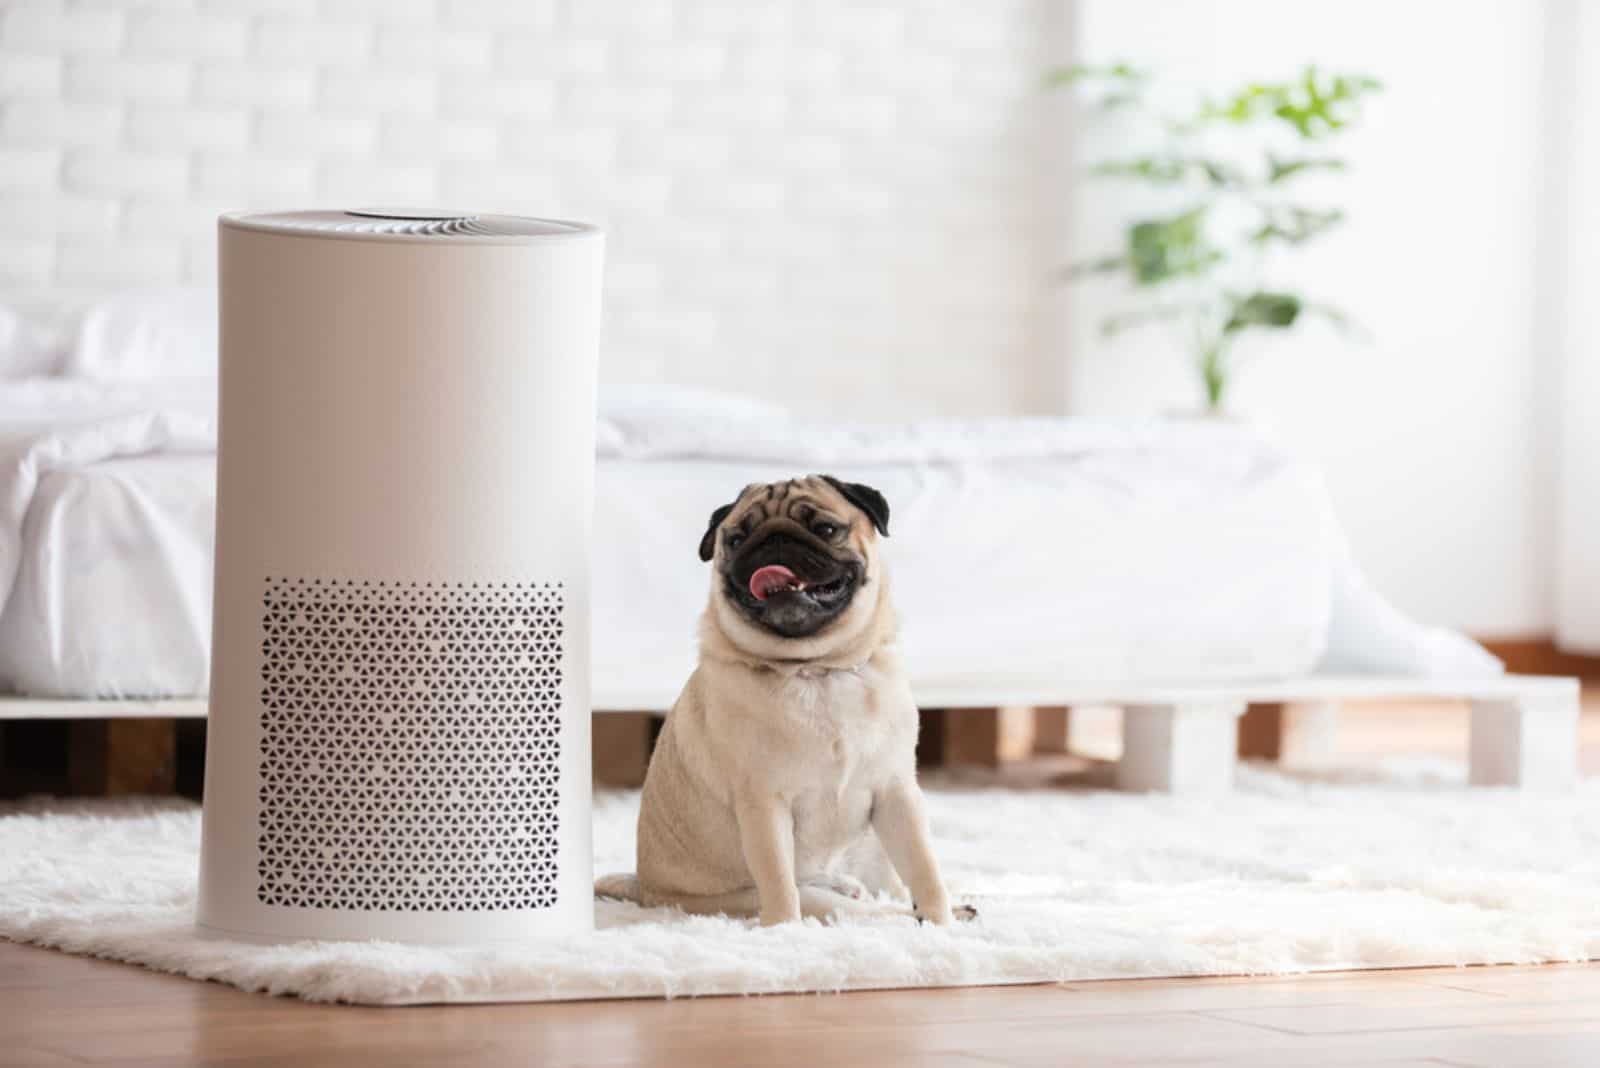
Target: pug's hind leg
pixel 837 882
pixel 866 862
pixel 815 902
pixel 738 903
pixel 824 903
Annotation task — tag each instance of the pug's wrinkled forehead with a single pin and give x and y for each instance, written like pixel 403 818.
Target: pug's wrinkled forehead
pixel 802 501
pixel 799 499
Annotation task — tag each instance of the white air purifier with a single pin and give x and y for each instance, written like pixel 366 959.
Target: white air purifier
pixel 399 730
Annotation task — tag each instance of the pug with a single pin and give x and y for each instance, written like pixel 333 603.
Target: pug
pixel 783 783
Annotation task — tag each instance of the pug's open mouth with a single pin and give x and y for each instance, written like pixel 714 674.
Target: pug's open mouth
pixel 790 587
pixel 774 579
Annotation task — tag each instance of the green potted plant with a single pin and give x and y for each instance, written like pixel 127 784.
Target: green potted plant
pixel 1232 173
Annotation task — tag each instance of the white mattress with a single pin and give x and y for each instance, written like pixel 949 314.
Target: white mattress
pixel 1021 551
pixel 113 598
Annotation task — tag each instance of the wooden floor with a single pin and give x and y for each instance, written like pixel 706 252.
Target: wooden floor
pixel 61 1010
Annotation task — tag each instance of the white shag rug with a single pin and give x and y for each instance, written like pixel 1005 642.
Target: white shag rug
pixel 1284 875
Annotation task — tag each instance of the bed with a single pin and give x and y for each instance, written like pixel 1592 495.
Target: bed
pixel 1046 560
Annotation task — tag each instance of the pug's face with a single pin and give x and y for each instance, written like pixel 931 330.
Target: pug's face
pixel 791 556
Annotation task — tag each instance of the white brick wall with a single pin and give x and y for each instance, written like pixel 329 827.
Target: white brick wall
pixel 839 202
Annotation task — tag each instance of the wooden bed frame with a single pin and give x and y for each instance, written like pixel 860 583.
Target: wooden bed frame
pixel 1180 739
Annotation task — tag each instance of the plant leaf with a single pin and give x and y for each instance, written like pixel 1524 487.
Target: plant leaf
pixel 1295 225
pixel 1157 169
pixel 1279 170
pixel 1315 106
pixel 1086 72
pixel 1162 249
pixel 1171 170
pixel 1262 308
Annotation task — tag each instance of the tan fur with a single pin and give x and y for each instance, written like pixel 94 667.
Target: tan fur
pixel 786 762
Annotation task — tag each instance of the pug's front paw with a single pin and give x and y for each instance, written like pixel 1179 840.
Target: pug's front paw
pixel 945 916
pixel 774 916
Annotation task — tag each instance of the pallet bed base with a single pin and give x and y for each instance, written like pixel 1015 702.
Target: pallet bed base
pixel 1181 739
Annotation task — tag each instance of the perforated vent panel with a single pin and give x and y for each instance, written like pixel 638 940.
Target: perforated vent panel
pixel 410 744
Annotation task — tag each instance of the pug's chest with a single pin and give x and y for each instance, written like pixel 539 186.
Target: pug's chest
pixel 839 736
pixel 827 823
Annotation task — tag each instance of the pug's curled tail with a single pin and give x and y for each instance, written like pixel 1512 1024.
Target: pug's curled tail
pixel 618 887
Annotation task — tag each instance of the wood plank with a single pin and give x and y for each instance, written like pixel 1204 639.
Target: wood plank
pixel 118 757
pixel 1261 731
pixel 1389 1016
pixel 34 1058
pixel 86 1011
pixel 1052 728
pixel 930 737
pixel 988 737
pixel 1302 734
pixel 622 742
pixel 1539 656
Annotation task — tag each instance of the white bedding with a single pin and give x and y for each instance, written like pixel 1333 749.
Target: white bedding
pixel 1022 550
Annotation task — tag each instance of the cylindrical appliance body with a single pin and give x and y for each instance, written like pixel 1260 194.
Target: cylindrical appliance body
pixel 399 729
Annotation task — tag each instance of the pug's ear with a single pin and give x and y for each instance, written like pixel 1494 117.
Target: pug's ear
pixel 865 498
pixel 708 543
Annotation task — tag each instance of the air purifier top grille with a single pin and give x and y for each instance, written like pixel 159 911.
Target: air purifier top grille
pixel 409 224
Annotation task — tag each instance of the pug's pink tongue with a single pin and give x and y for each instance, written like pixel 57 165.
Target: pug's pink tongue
pixel 771 579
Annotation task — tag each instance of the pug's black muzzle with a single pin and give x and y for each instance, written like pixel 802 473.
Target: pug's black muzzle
pixel 827 585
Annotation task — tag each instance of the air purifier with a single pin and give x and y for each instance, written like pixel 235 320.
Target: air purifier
pixel 398 742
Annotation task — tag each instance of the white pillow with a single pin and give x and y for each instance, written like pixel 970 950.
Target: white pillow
pixel 631 402
pixel 145 334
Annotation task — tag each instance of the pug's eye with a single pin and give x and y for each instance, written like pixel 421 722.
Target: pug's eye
pixel 825 531
pixel 735 539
